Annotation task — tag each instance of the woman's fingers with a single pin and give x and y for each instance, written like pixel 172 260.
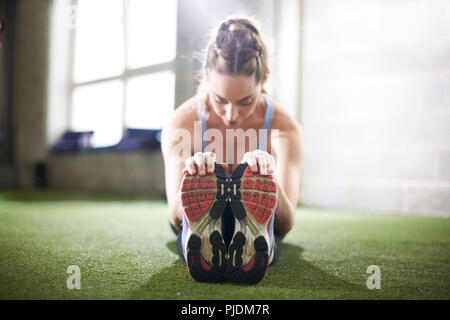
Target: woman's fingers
pixel 271 164
pixel 200 163
pixel 210 158
pixel 189 166
pixel 251 160
pixel 261 161
pixel 258 161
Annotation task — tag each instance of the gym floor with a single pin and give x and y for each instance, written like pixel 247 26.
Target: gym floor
pixel 126 250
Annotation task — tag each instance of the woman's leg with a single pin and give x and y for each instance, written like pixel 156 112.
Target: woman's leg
pixel 179 243
pixel 276 247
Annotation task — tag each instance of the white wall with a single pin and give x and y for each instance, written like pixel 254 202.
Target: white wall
pixel 376 105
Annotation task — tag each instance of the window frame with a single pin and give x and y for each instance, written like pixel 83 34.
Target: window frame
pixel 124 76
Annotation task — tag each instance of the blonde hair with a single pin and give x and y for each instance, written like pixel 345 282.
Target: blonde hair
pixel 236 48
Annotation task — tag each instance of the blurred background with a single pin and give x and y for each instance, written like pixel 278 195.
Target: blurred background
pixel 86 86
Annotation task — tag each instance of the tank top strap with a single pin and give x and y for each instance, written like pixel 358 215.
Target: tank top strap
pixel 201 112
pixel 264 131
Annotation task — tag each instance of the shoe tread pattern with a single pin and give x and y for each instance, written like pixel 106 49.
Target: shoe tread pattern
pixel 200 197
pixel 257 197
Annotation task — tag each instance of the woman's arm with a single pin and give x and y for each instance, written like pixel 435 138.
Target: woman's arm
pixel 173 164
pixel 289 158
pixel 287 147
pixel 175 149
pixel 177 146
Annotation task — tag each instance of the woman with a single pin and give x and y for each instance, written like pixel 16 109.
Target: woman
pixel 230 214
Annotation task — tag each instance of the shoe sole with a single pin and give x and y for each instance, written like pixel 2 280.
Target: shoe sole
pixel 253 200
pixel 204 202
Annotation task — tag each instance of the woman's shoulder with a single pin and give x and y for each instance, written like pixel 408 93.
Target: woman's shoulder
pixel 185 115
pixel 283 121
pixel 289 132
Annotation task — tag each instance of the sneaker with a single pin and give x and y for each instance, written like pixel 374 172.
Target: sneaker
pixel 204 201
pixel 253 201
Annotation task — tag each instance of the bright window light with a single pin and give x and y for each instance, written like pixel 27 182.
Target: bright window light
pixel 99 40
pixel 150 100
pixel 98 107
pixel 151 32
pixel 116 43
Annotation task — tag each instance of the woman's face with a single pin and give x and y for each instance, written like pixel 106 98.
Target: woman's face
pixel 233 98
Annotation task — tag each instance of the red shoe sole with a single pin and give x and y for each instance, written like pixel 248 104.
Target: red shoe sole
pixel 259 194
pixel 199 199
pixel 257 197
pixel 197 195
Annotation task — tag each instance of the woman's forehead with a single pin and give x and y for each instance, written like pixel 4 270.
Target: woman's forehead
pixel 232 87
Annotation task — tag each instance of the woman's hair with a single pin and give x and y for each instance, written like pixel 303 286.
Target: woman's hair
pixel 235 49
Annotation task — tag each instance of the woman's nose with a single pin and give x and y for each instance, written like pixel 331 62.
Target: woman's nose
pixel 231 113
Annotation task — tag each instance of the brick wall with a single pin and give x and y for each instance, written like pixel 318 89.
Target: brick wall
pixel 29 86
pixel 376 105
pixel 138 172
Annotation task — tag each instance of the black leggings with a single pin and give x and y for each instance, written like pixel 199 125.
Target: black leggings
pixel 227 233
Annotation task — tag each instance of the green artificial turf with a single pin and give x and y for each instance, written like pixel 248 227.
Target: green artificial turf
pixel 126 250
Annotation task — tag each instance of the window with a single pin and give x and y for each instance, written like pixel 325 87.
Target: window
pixel 122 66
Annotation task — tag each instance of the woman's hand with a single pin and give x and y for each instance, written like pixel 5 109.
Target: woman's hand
pixel 200 163
pixel 260 159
